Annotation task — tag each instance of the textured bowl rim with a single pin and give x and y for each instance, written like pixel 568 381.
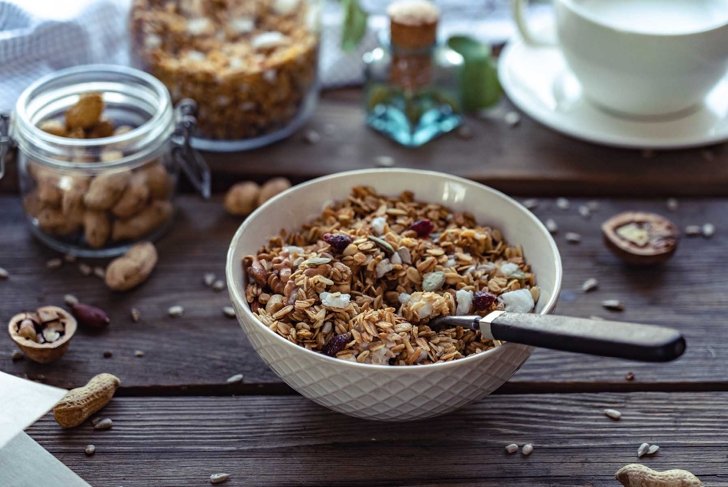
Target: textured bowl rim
pixel 238 296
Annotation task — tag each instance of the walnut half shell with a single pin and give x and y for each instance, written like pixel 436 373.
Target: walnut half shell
pixel 641 238
pixel 47 318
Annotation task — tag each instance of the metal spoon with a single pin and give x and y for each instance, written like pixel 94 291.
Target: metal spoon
pixel 645 343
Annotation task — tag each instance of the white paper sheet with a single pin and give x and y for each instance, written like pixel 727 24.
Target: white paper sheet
pixel 22 402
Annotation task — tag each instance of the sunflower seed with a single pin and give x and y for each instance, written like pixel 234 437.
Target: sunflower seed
pixel 209 279
pixel 653 449
pixel 3 274
pixel 384 161
pixel 613 414
pixel 100 272
pixel 708 230
pixel 383 244
pixel 613 305
pixel 234 378
pixel 672 204
pixel 70 299
pixel 85 269
pixel 17 355
pixel 218 285
pixel 593 205
pixel 551 226
pixel 89 450
pixel 573 237
pixel 589 285
pixel 313 261
pixel 693 230
pixel 103 424
pixel 512 119
pixel 228 311
pixel 562 203
pixel 219 478
pixel 139 354
pixel 512 448
pixel 69 258
pixel 584 211
pixel 135 315
pixel 311 137
pixel 54 263
pixel 527 449
pixel 175 311
pixel 531 203
pixel 642 450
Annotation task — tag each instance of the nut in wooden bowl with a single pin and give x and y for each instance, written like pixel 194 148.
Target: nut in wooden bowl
pixel 44 334
pixel 641 238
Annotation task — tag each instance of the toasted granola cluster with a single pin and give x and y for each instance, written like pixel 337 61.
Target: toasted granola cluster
pixel 248 63
pixel 362 280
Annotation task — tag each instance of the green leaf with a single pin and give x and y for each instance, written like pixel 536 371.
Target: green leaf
pixel 479 85
pixel 355 25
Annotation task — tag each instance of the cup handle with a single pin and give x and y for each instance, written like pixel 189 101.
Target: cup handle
pixel 4 140
pixel 519 8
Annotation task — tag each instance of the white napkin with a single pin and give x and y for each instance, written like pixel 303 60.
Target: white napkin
pixel 23 462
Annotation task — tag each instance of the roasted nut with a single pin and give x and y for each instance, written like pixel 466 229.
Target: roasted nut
pixel 106 189
pixel 271 188
pixel 97 228
pixel 89 316
pixel 242 198
pixel 640 238
pixel 143 222
pixel 80 403
pixel 72 202
pixel 157 180
pixel 103 128
pixel 53 127
pixel 44 335
pixel 51 220
pixel 134 198
pixel 49 192
pixel 636 475
pixel 133 268
pixel 86 112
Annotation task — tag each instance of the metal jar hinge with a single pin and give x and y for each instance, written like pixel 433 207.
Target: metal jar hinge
pixel 5 140
pixel 191 162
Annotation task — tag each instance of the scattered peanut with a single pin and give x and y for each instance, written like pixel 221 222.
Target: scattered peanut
pixel 80 403
pixel 133 268
pixel 242 198
pixel 271 188
pixel 636 475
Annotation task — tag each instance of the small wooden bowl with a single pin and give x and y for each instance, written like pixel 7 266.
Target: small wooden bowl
pixel 44 353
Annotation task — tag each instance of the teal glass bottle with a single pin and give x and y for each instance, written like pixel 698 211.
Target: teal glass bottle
pixel 412 85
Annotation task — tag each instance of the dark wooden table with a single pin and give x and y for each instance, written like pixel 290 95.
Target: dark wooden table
pixel 177 420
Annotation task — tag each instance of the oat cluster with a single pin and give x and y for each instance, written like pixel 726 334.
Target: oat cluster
pixel 361 281
pixel 248 63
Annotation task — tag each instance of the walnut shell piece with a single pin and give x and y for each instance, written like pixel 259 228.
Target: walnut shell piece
pixel 641 238
pixel 50 317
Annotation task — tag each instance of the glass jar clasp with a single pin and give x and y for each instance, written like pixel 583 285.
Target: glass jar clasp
pixel 4 140
pixel 191 162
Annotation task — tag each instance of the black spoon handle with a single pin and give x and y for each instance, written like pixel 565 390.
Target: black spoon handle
pixel 645 343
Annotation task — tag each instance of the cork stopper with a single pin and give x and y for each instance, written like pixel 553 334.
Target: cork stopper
pixel 413 23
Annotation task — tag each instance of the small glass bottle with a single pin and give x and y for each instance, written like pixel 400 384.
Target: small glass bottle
pixel 412 87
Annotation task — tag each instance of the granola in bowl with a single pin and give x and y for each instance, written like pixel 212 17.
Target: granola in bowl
pixel 361 281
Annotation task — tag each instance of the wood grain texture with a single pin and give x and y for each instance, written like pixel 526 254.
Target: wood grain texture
pixel 292 441
pixel 194 354
pixel 526 159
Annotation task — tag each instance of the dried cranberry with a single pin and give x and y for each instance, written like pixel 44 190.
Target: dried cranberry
pixel 336 344
pixel 338 241
pixel 484 300
pixel 423 227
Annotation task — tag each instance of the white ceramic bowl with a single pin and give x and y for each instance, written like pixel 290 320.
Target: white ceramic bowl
pixel 380 392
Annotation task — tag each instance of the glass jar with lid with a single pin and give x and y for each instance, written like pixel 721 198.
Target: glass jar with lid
pixel 251 65
pixel 99 152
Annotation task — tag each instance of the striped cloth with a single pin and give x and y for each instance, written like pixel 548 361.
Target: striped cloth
pixel 40 36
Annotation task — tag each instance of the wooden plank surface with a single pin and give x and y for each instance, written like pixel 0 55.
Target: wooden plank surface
pixel 197 352
pixel 526 159
pixel 292 441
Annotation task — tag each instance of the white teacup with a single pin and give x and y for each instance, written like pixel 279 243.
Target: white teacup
pixel 641 58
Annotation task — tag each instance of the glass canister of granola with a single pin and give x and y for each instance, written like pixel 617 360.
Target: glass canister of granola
pixel 99 148
pixel 251 65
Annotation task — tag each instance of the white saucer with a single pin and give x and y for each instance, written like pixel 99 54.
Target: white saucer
pixel 537 80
